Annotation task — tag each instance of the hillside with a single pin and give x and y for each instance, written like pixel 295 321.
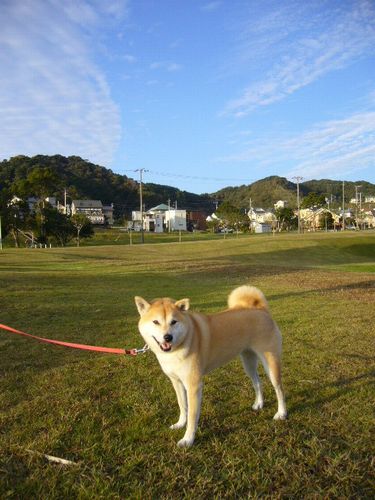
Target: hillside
pixel 85 180
pixel 264 193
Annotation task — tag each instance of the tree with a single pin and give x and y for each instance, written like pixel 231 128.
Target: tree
pixel 40 182
pixel 213 225
pixel 326 220
pixel 16 216
pixel 286 218
pixel 232 217
pixel 58 225
pixel 82 225
pixel 313 200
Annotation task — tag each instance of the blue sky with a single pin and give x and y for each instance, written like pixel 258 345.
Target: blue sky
pixel 202 94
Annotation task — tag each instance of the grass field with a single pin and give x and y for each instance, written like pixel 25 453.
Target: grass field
pixel 110 414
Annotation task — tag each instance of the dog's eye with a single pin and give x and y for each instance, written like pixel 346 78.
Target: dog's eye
pixel 156 322
pixel 173 322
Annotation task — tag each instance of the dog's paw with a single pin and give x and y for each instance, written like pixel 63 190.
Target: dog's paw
pixel 185 443
pixel 177 425
pixel 280 415
pixel 257 405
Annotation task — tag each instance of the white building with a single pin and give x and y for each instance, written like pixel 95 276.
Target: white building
pixel 159 219
pixel 280 204
pixel 260 227
pixel 176 220
pixel 93 209
pixel 261 220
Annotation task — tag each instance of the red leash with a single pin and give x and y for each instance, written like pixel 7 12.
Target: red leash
pixel 109 350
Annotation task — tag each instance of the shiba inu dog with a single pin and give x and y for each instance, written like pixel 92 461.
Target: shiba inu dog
pixel 188 345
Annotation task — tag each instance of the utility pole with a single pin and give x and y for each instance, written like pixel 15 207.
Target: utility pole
pixel 169 215
pixel 356 206
pixel 298 180
pixel 141 170
pixel 251 215
pixel 343 205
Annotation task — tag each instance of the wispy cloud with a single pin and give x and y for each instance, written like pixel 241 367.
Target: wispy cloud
pixel 334 149
pixel 211 6
pixel 300 46
pixel 169 66
pixel 53 97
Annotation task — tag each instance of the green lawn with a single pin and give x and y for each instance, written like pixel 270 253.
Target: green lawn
pixel 110 414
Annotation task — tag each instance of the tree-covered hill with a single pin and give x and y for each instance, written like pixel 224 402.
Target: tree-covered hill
pixel 85 180
pixel 266 192
pixel 263 193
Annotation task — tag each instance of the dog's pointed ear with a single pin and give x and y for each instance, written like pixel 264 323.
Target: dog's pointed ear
pixel 142 305
pixel 183 304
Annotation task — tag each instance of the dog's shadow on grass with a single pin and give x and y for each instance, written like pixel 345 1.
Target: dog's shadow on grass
pixel 368 285
pixel 313 397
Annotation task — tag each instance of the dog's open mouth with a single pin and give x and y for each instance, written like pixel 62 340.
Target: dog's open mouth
pixel 165 346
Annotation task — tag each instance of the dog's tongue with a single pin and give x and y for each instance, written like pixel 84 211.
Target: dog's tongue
pixel 166 346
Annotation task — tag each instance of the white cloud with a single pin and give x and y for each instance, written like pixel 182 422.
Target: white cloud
pixel 166 65
pixel 332 149
pixel 305 45
pixel 130 59
pixel 53 97
pixel 211 6
pixel 335 148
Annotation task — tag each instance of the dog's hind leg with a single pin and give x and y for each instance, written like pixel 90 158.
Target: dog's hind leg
pixel 250 364
pixel 272 365
pixel 182 403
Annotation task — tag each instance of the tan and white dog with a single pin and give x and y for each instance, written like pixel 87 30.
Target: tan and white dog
pixel 189 345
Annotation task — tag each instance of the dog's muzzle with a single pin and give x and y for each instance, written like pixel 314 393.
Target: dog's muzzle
pixel 166 345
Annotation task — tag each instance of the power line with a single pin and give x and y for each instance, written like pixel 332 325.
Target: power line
pixel 196 177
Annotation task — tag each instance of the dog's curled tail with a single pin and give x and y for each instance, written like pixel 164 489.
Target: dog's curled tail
pixel 247 297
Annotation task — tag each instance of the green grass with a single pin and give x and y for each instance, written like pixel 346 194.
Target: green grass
pixel 110 414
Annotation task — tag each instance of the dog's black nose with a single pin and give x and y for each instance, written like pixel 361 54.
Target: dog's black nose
pixel 168 337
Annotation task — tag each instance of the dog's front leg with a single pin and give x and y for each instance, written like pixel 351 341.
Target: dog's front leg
pixel 182 403
pixel 194 397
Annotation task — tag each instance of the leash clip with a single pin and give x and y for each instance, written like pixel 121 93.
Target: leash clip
pixel 144 349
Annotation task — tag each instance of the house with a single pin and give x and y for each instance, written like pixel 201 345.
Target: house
pixel 93 209
pixel 311 218
pixel 196 220
pixel 159 219
pixel 259 217
pixel 280 204
pixel 155 218
pixel 176 220
pixel 368 218
pixel 32 201
pixel 108 214
pixel 261 227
